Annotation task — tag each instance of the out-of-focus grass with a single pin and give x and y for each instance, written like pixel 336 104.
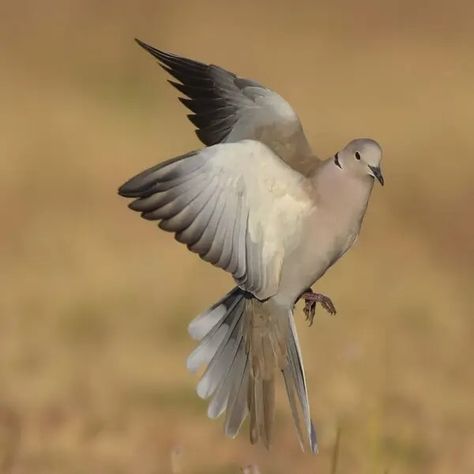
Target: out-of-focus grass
pixel 94 302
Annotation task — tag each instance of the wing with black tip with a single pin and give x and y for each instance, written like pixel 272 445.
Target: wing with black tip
pixel 228 108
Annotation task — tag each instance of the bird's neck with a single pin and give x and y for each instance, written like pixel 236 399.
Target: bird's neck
pixel 340 190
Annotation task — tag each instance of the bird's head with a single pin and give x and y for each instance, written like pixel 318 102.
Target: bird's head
pixel 361 157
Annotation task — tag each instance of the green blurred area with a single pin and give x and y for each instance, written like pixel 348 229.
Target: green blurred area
pixel 95 302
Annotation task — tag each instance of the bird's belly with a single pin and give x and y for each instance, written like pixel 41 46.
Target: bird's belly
pixel 315 253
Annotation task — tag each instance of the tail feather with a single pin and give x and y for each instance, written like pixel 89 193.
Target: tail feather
pixel 220 399
pixel 237 406
pixel 211 328
pixel 290 384
pixel 202 324
pixel 261 398
pixel 219 366
pixel 244 343
pixel 296 381
pixel 268 391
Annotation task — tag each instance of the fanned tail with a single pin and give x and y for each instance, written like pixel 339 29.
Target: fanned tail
pixel 244 343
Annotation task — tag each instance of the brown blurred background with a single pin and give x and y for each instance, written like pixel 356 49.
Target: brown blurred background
pixel 94 302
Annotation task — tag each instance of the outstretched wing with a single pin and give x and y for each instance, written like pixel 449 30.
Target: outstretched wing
pixel 237 205
pixel 228 108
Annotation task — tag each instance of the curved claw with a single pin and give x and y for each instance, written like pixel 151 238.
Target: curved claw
pixel 311 299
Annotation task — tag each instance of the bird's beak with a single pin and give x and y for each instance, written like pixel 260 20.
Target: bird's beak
pixel 376 173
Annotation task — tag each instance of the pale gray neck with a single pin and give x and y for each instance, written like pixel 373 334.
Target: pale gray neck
pixel 340 190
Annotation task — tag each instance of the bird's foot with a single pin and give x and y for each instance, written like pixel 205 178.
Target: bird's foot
pixel 311 299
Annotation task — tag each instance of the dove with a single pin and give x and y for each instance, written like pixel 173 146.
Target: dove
pixel 259 204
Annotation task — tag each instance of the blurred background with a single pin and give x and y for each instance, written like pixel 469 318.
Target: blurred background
pixel 94 302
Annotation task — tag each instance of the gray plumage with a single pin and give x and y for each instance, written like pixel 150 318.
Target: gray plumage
pixel 258 204
pixel 227 108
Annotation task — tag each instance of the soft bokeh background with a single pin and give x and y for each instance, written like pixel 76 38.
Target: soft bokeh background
pixel 95 302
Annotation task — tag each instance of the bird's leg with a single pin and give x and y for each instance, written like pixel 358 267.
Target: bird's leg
pixel 311 299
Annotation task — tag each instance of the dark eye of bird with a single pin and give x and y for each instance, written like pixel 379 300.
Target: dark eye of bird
pixel 357 155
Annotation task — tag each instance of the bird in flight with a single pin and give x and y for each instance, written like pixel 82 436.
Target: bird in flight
pixel 258 203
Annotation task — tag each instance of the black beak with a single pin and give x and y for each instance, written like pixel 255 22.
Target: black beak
pixel 377 173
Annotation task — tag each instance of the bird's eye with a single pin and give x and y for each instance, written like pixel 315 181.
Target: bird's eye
pixel 357 155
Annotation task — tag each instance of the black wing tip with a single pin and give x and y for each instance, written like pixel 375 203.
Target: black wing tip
pixel 135 205
pixel 124 191
pixel 129 190
pixel 160 55
pixel 140 42
pixel 170 60
pixel 143 44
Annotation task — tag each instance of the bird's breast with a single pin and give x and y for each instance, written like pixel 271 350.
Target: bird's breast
pixel 329 231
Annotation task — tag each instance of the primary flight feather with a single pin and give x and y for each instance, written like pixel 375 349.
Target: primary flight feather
pixel 257 203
